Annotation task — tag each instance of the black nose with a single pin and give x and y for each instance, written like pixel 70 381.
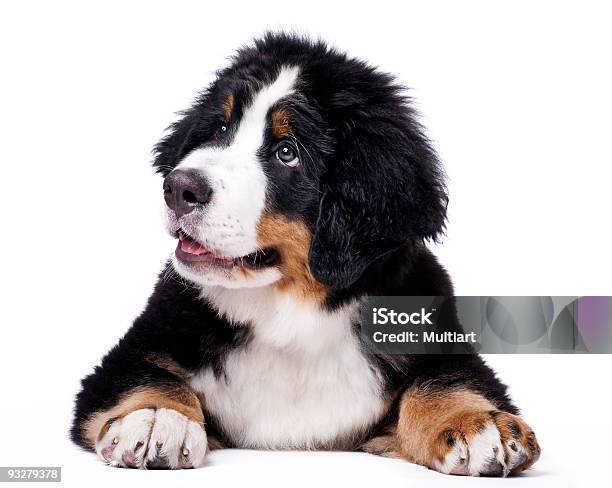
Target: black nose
pixel 185 190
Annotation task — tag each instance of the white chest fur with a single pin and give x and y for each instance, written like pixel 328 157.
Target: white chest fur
pixel 301 383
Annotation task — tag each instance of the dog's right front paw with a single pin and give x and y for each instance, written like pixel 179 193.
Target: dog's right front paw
pixel 153 439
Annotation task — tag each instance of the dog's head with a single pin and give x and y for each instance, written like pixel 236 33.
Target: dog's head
pixel 298 166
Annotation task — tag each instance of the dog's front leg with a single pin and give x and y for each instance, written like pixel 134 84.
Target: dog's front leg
pixel 157 422
pixel 137 409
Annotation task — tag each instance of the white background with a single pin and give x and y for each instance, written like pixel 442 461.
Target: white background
pixel 516 97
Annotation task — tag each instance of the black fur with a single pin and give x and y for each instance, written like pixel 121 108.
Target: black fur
pixel 369 188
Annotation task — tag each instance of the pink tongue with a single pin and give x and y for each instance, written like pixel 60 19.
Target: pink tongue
pixel 192 247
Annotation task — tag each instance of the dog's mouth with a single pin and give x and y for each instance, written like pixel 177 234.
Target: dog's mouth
pixel 190 251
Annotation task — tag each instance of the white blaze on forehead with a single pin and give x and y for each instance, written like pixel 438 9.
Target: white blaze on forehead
pixel 229 222
pixel 254 121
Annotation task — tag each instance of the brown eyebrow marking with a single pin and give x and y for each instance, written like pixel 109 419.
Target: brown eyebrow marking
pixel 228 107
pixel 281 123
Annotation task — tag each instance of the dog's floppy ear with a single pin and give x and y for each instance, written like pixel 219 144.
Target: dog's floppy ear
pixel 383 189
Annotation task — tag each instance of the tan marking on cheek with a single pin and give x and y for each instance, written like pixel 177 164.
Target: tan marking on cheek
pixel 228 107
pixel 179 398
pixel 291 239
pixel 281 123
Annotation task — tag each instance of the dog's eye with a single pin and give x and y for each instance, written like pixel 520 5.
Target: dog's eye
pixel 287 156
pixel 221 130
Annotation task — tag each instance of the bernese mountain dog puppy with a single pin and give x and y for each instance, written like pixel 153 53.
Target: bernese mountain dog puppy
pixel 299 183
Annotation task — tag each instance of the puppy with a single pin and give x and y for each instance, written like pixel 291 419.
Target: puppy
pixel 297 184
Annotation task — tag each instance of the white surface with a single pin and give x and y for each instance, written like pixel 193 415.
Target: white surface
pixel 565 399
pixel 516 98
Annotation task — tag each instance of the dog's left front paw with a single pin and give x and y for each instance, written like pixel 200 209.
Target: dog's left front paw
pixel 485 444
